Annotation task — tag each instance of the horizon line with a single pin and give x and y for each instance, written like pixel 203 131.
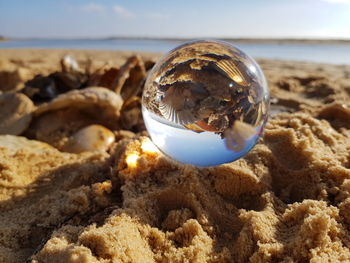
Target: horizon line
pixel 238 39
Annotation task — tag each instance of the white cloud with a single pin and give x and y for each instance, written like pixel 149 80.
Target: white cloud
pixel 93 7
pixel 338 1
pixel 123 12
pixel 157 16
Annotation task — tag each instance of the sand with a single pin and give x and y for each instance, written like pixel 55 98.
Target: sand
pixel 288 200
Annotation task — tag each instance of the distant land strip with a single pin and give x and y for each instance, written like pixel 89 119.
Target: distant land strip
pixel 237 40
pixel 248 40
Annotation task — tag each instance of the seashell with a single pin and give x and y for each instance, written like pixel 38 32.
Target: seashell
pixel 90 138
pixel 238 135
pixel 40 88
pixel 56 133
pixel 90 98
pixel 108 77
pixel 16 113
pixel 129 78
pixel 131 119
pixel 13 80
pixel 149 63
pixel 72 111
pixel 44 88
pixel 69 64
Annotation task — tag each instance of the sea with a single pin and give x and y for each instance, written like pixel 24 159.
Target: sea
pixel 338 53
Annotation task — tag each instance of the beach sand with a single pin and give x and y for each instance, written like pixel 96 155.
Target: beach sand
pixel 288 200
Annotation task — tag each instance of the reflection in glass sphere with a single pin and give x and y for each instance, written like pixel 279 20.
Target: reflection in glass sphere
pixel 205 103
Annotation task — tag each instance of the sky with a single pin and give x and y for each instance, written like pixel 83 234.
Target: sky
pixel 180 18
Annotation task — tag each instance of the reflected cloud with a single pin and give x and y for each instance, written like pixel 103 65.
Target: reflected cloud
pixel 157 16
pixel 123 12
pixel 93 7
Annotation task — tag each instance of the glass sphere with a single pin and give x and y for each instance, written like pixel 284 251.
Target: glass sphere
pixel 205 103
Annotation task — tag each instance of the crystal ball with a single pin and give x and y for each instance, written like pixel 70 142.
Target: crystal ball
pixel 205 103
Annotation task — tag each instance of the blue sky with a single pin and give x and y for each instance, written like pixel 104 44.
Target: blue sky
pixel 181 18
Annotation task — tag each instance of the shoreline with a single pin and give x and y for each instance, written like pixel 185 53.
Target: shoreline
pixel 334 52
pixel 100 54
pixel 44 61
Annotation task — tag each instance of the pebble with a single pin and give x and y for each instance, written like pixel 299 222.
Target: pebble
pixel 90 138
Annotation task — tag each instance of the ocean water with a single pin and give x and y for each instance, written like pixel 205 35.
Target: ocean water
pixel 323 53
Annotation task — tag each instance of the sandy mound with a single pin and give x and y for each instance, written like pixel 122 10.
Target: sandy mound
pixel 288 200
